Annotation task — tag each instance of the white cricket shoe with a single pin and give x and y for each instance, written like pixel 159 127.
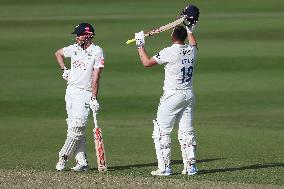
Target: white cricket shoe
pixel 191 170
pixel 60 166
pixel 80 167
pixel 167 172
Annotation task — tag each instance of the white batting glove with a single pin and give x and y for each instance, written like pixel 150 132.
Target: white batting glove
pixel 190 28
pixel 94 104
pixel 65 73
pixel 140 39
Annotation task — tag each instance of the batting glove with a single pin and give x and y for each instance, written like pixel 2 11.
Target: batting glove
pixel 140 39
pixel 65 73
pixel 190 28
pixel 94 104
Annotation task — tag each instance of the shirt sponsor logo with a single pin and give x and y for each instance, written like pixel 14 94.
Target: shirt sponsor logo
pixel 185 52
pixel 79 64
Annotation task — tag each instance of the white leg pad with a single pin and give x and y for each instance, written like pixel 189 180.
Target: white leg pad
pixel 76 128
pixel 188 145
pixel 75 133
pixel 80 152
pixel 68 147
pixel 162 143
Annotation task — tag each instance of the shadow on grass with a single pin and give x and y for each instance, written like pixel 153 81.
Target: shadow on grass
pixel 249 167
pixel 173 162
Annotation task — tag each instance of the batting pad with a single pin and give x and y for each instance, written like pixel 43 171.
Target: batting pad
pixel 188 145
pixel 162 145
pixel 68 147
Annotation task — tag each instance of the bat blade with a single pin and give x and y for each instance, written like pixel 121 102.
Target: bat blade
pixel 99 145
pixel 160 29
pixel 100 149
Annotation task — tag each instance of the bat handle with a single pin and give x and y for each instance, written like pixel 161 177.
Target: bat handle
pixel 130 41
pixel 95 119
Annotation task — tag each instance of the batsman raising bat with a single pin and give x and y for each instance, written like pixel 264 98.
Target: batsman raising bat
pixel 177 101
pixel 189 17
pixel 87 62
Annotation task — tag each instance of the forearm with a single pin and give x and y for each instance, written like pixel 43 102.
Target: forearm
pixel 144 57
pixel 96 82
pixel 94 105
pixel 191 39
pixel 60 59
pixel 95 88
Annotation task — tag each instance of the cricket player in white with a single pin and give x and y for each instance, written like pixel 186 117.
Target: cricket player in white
pixel 87 62
pixel 177 102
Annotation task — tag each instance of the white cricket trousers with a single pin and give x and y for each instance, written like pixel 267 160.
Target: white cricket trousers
pixel 176 106
pixel 77 102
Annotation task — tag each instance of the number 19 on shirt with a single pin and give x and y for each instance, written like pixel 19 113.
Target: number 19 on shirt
pixel 186 74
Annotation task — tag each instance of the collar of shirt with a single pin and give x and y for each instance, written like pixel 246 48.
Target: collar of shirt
pixel 87 50
pixel 179 45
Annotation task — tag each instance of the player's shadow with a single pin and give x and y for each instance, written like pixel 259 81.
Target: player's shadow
pixel 249 167
pixel 173 162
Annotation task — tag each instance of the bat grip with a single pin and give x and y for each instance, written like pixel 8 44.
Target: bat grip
pixel 130 41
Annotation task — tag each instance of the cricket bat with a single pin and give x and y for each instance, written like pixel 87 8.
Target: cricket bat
pixel 99 145
pixel 160 29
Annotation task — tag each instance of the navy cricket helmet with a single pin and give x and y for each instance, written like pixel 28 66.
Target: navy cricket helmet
pixel 191 12
pixel 84 28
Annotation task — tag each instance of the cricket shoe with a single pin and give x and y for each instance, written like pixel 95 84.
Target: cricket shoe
pixel 61 164
pixel 167 172
pixel 191 170
pixel 80 167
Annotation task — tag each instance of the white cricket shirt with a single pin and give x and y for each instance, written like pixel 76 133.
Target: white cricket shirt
pixel 82 64
pixel 179 63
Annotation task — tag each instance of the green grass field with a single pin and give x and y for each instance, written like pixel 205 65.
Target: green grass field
pixel 239 86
